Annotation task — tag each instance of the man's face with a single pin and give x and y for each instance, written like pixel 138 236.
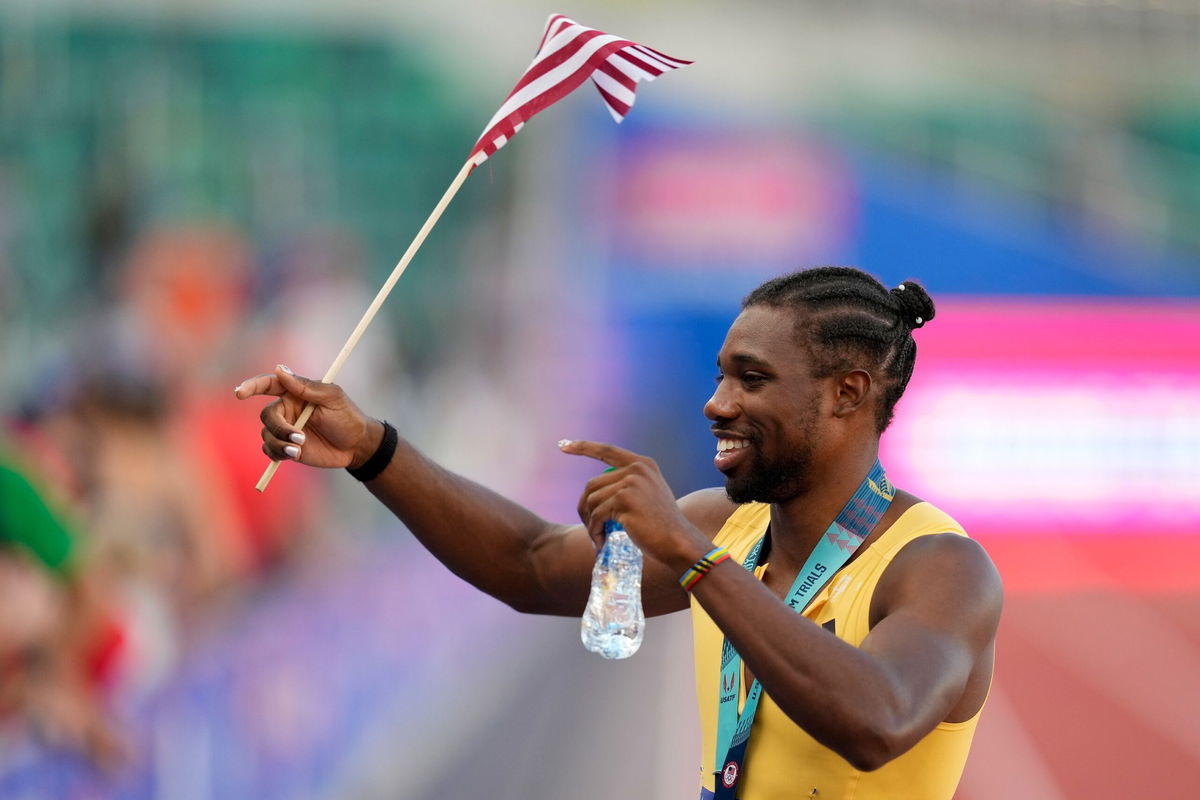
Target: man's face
pixel 765 408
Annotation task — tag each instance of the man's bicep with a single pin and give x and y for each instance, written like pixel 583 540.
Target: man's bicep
pixel 945 582
pixel 934 617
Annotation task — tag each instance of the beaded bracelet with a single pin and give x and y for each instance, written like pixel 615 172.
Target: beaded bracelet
pixel 380 458
pixel 701 567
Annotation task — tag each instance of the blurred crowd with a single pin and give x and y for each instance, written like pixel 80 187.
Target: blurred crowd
pixel 128 516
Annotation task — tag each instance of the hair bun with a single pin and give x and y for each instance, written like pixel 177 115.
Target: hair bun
pixel 916 307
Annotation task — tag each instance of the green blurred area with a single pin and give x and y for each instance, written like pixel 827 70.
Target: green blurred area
pixel 107 130
pixel 1172 165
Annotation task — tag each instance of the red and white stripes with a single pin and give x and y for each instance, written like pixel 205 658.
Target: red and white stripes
pixel 569 54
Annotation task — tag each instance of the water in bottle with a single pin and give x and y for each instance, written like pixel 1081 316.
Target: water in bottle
pixel 613 622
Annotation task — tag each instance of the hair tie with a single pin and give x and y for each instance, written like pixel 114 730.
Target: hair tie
pixel 916 321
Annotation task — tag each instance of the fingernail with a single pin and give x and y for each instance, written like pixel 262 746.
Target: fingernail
pixel 297 437
pixel 293 452
pixel 563 443
pixel 286 369
pixel 237 389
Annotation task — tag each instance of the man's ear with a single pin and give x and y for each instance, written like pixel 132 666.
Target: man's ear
pixel 853 389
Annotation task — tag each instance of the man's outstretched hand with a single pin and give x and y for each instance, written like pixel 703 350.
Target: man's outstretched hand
pixel 338 434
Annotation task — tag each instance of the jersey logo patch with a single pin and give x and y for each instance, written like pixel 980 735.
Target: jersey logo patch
pixel 839 586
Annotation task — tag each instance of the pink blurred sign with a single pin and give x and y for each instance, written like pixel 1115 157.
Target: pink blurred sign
pixel 1065 417
pixel 737 199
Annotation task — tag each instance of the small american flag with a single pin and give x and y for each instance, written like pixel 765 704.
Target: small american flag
pixel 569 54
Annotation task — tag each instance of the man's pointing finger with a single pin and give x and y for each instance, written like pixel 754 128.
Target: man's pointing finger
pixel 608 453
pixel 258 385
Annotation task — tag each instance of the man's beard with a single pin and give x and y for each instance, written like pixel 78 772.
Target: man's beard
pixel 775 480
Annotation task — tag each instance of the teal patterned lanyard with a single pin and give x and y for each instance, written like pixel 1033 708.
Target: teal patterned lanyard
pixel 853 524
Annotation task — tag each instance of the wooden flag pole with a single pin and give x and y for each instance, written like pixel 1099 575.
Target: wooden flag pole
pixel 336 367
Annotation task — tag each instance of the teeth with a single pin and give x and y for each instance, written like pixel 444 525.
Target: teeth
pixel 730 444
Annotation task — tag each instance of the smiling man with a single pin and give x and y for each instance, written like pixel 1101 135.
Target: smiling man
pixel 844 630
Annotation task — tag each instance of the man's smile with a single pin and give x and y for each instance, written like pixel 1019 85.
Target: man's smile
pixel 730 451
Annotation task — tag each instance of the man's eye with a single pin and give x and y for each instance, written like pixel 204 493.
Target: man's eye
pixel 718 378
pixel 753 379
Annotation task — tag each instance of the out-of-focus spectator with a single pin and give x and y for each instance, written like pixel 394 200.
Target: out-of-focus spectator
pixel 182 322
pixel 59 641
pixel 153 518
pixel 143 441
pixel 183 297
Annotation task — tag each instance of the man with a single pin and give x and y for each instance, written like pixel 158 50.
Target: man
pixel 875 689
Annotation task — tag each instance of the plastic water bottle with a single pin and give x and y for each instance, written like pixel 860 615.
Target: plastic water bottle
pixel 613 622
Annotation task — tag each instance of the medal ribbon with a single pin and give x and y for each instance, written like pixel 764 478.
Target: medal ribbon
pixel 853 524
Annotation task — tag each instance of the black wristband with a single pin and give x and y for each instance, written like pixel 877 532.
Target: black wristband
pixel 379 460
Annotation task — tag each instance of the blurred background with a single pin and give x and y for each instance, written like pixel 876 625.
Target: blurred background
pixel 193 192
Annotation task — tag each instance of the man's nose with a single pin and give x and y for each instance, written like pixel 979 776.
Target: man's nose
pixel 721 405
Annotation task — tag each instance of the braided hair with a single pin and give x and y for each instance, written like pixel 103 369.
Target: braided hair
pixel 853 322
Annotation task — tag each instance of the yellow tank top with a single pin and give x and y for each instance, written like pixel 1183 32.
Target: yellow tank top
pixel 782 761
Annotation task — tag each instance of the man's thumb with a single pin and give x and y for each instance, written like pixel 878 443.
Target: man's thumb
pixel 304 388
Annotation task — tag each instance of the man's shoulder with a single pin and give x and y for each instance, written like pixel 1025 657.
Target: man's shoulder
pixel 944 549
pixel 947 558
pixel 708 509
pixel 907 519
pixel 925 543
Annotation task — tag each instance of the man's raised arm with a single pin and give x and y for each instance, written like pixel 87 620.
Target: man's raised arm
pixel 500 547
